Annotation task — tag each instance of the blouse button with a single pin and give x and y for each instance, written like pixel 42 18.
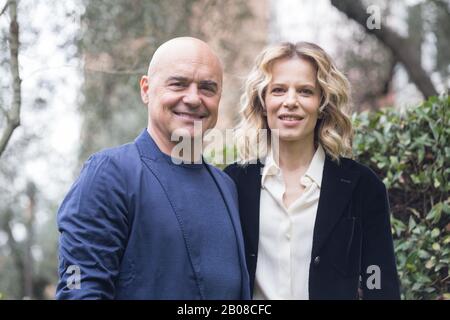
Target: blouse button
pixel 316 261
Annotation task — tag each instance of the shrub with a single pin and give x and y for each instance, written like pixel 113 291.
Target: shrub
pixel 410 151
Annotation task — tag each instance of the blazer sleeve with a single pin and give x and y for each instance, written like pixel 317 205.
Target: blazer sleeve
pixel 93 226
pixel 379 271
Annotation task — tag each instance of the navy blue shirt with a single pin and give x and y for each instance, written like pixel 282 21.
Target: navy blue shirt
pixel 202 199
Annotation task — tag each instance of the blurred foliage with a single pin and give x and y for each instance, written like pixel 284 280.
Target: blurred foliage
pixel 117 41
pixel 411 152
pixel 28 235
pixel 370 64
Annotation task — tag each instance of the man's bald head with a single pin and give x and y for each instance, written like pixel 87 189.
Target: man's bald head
pixel 188 49
pixel 182 88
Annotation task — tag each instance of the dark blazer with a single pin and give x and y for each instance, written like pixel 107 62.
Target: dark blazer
pixel 123 225
pixel 352 231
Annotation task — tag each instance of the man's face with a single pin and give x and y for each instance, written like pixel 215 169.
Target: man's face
pixel 182 92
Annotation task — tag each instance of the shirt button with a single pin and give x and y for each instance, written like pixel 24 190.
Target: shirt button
pixel 316 261
pixel 305 181
pixel 288 236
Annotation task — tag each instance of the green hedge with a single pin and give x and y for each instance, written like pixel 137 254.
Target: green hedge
pixel 411 152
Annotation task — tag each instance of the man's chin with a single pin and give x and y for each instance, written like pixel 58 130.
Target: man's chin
pixel 188 133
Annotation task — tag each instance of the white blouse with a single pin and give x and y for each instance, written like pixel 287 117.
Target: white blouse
pixel 286 234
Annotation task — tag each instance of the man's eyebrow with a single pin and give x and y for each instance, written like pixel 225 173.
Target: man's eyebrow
pixel 203 83
pixel 177 78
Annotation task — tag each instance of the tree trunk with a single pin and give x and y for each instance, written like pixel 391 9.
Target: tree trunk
pixel 13 114
pixel 401 47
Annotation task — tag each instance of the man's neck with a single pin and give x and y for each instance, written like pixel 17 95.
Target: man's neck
pixel 188 150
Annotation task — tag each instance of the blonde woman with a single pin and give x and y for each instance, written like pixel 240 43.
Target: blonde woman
pixel 316 223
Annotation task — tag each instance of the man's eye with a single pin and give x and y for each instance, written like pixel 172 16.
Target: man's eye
pixel 208 90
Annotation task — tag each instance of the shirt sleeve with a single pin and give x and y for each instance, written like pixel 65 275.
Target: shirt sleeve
pixel 93 226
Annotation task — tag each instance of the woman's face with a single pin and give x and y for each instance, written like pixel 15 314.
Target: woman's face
pixel 292 100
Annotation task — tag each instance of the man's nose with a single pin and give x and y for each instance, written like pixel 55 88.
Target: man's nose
pixel 192 98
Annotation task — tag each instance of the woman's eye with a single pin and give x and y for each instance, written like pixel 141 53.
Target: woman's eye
pixel 306 91
pixel 277 90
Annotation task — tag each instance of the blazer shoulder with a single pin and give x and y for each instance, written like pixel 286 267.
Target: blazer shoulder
pixel 236 171
pixel 232 170
pixel 367 174
pixel 221 174
pixel 121 153
pixel 119 162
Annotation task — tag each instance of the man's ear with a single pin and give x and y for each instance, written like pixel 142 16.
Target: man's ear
pixel 144 89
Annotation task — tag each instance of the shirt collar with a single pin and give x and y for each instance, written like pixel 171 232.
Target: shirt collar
pixel 315 169
pixel 270 168
pixel 314 172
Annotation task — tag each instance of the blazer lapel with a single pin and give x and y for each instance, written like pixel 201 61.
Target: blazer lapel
pixel 338 183
pixel 233 212
pixel 157 164
pixel 251 195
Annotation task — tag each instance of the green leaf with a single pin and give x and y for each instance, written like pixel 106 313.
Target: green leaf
pixel 446 240
pixel 411 224
pixel 435 233
pixel 435 213
pixel 414 211
pixel 423 254
pixel 416 286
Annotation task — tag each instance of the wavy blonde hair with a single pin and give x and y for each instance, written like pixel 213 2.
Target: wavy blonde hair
pixel 333 129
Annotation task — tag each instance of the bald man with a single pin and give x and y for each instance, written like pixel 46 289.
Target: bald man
pixel 139 223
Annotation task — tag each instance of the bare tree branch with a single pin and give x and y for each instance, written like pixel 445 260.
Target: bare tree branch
pixel 13 115
pixel 5 7
pixel 401 48
pixel 3 111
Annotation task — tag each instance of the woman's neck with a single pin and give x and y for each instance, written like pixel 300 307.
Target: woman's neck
pixel 295 155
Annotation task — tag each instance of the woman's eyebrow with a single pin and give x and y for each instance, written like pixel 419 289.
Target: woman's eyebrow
pixel 305 84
